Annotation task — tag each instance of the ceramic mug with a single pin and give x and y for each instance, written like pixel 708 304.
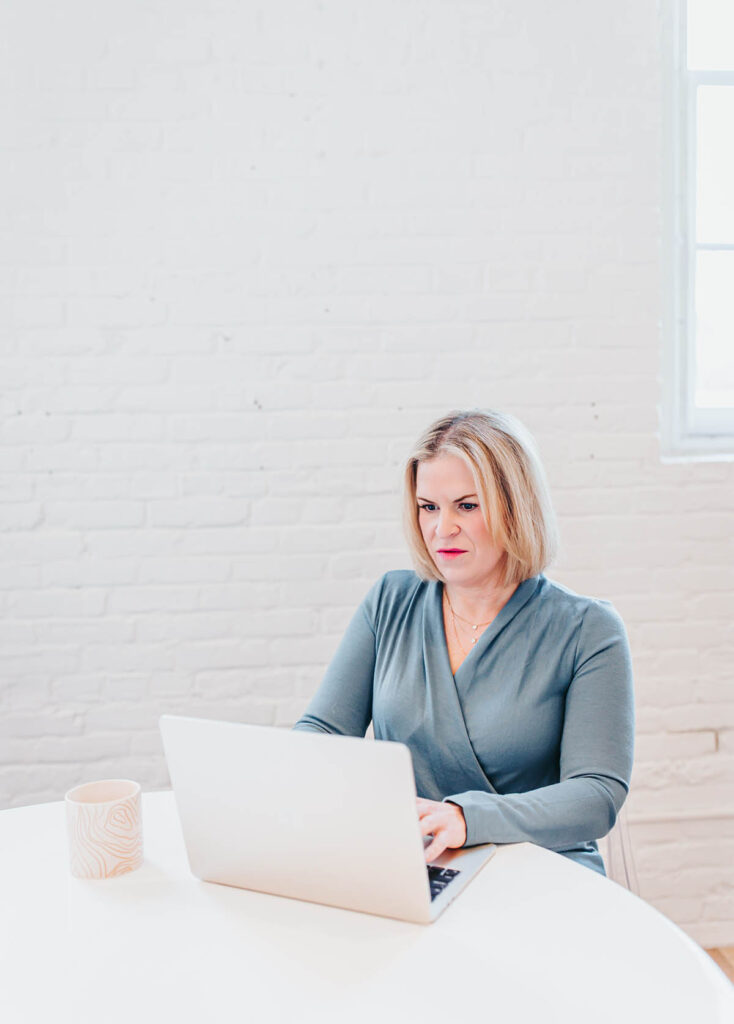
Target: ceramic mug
pixel 105 829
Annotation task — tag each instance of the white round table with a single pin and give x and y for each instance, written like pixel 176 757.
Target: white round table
pixel 533 938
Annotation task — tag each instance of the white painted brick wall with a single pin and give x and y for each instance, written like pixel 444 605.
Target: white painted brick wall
pixel 248 252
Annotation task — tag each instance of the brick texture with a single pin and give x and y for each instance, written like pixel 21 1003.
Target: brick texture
pixel 247 253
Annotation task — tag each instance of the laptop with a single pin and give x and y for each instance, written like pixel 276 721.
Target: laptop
pixel 328 819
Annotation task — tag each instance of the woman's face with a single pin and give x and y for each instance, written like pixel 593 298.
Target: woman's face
pixel 453 526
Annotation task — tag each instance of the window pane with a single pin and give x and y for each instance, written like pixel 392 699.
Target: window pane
pixel 711 35
pixel 715 170
pixel 714 329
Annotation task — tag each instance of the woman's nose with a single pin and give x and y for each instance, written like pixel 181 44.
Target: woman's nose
pixel 446 526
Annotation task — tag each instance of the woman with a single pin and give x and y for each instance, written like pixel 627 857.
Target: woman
pixel 513 693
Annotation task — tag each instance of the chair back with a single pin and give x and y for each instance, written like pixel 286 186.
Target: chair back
pixel 616 849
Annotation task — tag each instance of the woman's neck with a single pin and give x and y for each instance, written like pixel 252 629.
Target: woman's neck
pixel 479 603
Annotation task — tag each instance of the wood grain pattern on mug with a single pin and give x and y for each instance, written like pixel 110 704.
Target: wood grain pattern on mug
pixel 105 839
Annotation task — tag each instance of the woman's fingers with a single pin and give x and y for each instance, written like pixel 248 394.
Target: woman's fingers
pixel 428 822
pixel 430 825
pixel 444 822
pixel 433 824
pixel 435 849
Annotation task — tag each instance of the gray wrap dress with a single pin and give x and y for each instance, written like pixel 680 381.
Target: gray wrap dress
pixel 533 736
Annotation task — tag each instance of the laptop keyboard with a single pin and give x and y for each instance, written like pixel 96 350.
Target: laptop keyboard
pixel 439 878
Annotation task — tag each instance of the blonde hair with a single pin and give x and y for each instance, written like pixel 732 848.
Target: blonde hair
pixel 511 485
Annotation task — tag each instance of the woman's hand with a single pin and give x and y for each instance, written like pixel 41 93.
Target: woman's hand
pixel 445 822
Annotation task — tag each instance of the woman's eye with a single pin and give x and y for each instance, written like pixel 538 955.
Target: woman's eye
pixel 468 505
pixel 427 507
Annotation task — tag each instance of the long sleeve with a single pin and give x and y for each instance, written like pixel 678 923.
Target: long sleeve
pixel 533 734
pixel 596 752
pixel 343 702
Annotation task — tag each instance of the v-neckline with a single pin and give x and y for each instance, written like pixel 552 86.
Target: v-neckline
pixel 520 596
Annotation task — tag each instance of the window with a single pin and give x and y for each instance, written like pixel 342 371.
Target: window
pixel 699 242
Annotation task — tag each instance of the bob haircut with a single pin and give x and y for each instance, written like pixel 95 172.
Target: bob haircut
pixel 511 486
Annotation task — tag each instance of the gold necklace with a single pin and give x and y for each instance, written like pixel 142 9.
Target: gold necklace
pixel 454 617
pixel 456 632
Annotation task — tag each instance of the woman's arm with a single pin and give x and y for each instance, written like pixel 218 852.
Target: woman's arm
pixel 595 759
pixel 343 702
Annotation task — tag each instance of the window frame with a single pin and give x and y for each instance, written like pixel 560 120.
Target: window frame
pixel 687 432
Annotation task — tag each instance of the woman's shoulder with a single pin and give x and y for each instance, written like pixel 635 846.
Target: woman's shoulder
pixel 392 592
pixel 397 585
pixel 401 580
pixel 593 612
